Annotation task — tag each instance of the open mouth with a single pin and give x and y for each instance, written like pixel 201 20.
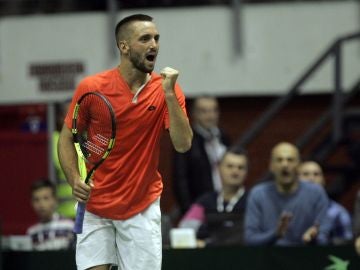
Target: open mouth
pixel 151 57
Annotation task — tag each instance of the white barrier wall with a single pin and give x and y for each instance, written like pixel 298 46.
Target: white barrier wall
pixel 42 57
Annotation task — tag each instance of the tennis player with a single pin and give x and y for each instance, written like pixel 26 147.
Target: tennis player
pixel 122 221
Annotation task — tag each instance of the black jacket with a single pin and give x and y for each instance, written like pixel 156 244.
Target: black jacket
pixel 193 173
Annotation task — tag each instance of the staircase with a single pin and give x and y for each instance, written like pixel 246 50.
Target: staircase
pixel 333 139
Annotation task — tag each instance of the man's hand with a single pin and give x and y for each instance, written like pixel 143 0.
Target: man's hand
pixel 200 243
pixel 283 224
pixel 81 191
pixel 311 234
pixel 169 76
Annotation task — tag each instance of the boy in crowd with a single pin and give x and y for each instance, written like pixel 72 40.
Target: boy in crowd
pixel 52 232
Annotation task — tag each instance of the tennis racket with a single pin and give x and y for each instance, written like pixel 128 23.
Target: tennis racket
pixel 93 130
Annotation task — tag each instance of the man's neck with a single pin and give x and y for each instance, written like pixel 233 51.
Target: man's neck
pixel 229 192
pixel 134 78
pixel 46 219
pixel 206 132
pixel 287 189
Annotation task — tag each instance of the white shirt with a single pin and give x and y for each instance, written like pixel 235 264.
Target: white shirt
pixel 53 235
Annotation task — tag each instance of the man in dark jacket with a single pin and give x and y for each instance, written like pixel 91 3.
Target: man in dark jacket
pixel 196 171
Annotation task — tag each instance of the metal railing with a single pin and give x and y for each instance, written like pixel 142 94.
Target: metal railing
pixel 324 118
pixel 336 110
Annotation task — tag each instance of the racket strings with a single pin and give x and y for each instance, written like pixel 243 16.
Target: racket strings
pixel 96 127
pixel 101 139
pixel 93 148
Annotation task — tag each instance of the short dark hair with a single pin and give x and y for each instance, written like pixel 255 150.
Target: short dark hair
pixel 196 99
pixel 236 150
pixel 43 183
pixel 136 17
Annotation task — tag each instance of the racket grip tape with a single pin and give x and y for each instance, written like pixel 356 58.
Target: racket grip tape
pixel 79 219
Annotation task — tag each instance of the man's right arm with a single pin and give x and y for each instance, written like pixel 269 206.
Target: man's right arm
pixel 69 163
pixel 253 234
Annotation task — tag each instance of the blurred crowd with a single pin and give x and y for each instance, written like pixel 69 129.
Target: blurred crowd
pixel 290 208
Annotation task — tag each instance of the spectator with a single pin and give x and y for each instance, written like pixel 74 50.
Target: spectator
pixel 52 232
pixel 338 218
pixel 217 217
pixel 196 171
pixel 286 211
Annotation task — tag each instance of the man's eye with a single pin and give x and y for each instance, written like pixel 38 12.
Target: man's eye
pixel 144 38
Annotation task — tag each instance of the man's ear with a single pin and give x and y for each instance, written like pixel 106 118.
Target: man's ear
pixel 123 47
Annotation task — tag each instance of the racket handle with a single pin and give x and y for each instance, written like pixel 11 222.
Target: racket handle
pixel 80 212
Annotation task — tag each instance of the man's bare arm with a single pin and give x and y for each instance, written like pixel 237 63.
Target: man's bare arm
pixel 180 131
pixel 69 163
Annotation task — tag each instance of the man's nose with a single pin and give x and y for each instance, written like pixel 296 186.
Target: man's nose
pixel 153 43
pixel 284 163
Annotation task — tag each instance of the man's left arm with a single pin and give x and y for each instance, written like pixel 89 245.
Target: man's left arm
pixel 180 130
pixel 320 230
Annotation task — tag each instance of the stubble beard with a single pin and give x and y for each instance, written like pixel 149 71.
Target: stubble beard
pixel 135 59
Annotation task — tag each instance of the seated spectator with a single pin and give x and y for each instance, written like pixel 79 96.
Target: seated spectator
pixel 217 217
pixel 338 218
pixel 52 232
pixel 357 222
pixel 196 171
pixel 286 211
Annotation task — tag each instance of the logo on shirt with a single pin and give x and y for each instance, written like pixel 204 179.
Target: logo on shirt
pixel 151 108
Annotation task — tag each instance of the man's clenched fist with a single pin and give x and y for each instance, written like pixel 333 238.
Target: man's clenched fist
pixel 169 76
